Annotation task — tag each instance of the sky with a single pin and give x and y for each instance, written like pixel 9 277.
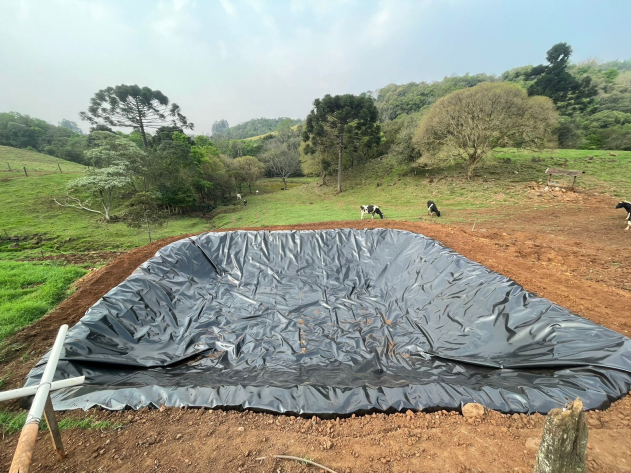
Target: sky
pixel 243 59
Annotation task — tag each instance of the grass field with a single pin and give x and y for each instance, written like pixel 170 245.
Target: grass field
pixel 402 194
pixel 28 209
pixel 34 162
pixel 28 291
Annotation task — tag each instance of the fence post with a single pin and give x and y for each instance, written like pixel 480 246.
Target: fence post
pixel 9 167
pixel 59 167
pixel 25 173
pixel 564 442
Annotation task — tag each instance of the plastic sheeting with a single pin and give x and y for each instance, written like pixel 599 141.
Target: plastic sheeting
pixel 330 323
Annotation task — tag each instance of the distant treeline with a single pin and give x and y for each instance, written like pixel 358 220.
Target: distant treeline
pixel 249 129
pixel 593 99
pixel 65 141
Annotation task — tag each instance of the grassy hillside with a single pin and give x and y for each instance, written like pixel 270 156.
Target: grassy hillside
pixel 36 163
pixel 401 193
pixel 28 209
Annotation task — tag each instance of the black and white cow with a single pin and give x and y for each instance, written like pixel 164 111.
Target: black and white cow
pixel 627 207
pixel 245 203
pixel 371 210
pixel 432 209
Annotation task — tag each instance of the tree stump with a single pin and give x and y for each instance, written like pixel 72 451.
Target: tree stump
pixel 564 441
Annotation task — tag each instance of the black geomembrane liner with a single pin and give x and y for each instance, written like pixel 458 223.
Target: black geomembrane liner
pixel 333 322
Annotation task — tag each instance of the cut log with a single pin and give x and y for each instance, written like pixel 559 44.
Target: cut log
pixel 564 442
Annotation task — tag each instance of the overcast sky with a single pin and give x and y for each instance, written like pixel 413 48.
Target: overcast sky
pixel 243 59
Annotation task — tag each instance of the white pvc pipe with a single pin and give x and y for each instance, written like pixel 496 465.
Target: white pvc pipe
pixel 35 413
pixel 30 390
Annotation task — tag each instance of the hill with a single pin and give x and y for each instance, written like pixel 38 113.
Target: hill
pixel 271 133
pixel 252 128
pixel 15 159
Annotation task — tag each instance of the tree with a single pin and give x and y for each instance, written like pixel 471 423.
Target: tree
pixel 554 81
pixel 281 158
pixel 251 170
pixel 318 156
pixel 72 126
pixel 164 133
pixel 144 211
pixel 136 107
pixel 399 134
pixel 469 123
pixel 101 127
pixel 394 100
pixel 336 115
pixel 203 140
pixel 220 127
pixel 109 148
pixel 101 183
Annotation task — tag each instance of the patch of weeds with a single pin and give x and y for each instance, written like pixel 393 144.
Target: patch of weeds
pixel 305 463
pixel 12 422
pixel 28 291
pixel 8 352
pixel 88 423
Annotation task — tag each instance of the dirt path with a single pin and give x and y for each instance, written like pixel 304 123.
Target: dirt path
pixel 574 257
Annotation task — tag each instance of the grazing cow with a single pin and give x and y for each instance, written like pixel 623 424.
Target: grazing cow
pixel 238 196
pixel 627 207
pixel 245 203
pixel 432 209
pixel 370 209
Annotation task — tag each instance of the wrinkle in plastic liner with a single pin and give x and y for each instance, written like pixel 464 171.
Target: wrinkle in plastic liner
pixel 333 322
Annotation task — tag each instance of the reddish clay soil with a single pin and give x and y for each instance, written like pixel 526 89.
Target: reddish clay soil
pixel 574 255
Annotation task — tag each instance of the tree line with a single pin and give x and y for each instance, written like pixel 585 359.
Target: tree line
pixel 64 141
pixel 593 101
pixel 249 129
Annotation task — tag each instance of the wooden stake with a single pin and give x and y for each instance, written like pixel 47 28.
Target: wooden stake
pixel 24 451
pixel 59 167
pixel 563 446
pixel 9 167
pixel 55 433
pixel 25 173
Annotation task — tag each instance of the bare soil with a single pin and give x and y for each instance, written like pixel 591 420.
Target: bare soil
pixel 574 255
